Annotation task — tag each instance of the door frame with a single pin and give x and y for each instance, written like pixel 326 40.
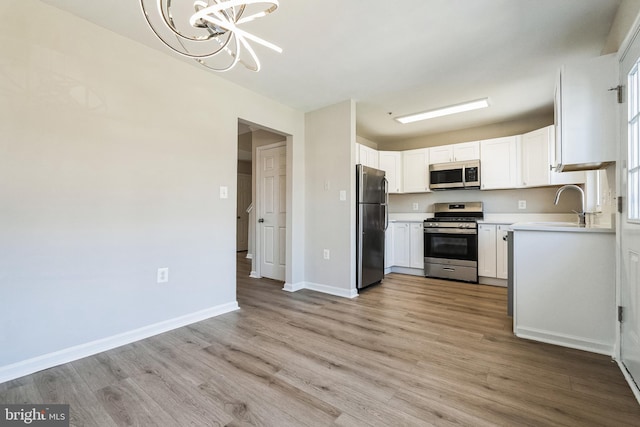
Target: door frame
pixel 257 256
pixel 625 48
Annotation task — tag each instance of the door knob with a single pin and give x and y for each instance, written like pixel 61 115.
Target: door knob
pixel 261 220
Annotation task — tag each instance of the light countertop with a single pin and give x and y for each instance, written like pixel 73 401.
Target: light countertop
pixel 570 227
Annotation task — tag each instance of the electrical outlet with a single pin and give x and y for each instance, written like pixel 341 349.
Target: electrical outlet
pixel 326 254
pixel 163 275
pixel 522 204
pixel 416 206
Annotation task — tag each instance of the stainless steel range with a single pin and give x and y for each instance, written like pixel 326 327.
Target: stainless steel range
pixel 451 241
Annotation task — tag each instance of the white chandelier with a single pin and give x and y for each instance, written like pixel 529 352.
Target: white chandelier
pixel 207 28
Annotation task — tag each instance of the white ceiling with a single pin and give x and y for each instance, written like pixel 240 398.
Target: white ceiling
pixel 404 56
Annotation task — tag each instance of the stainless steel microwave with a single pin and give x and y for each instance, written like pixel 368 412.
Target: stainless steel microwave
pixel 447 176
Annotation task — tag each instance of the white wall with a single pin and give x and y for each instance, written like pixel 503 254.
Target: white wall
pixel 330 161
pixel 111 159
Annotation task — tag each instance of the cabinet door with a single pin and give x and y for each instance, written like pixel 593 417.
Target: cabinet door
pixel 466 151
pixel 561 178
pixel 415 171
pixel 587 110
pixel 368 156
pixel 391 163
pixel 502 252
pixel 441 154
pixel 401 242
pixel 498 163
pixel 417 245
pixel 534 158
pixel 487 250
pixel 388 246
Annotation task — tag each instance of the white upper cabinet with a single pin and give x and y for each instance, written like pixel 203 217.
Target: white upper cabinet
pixel 499 163
pixel 415 170
pixel 367 156
pixel 455 152
pixel 585 113
pixel 537 153
pixel 391 163
pixel 466 151
pixel 534 158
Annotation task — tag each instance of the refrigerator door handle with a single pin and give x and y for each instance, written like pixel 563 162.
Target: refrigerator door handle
pixel 386 202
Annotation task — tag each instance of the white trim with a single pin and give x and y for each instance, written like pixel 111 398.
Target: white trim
pixel 563 340
pixel 35 364
pixel 407 270
pixel 629 378
pixel 325 289
pixel 249 256
pixel 254 275
pixel 293 287
pixel 492 281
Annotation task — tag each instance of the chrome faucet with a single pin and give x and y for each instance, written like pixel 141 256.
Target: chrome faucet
pixel 581 215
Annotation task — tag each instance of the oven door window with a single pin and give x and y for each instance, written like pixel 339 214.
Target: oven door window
pixel 451 246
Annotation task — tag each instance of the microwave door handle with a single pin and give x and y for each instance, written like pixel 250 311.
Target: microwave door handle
pixel 464 176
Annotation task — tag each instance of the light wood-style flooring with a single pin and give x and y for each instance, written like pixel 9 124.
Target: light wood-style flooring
pixel 409 352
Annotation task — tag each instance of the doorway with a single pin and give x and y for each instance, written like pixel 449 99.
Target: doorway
pixel 262 162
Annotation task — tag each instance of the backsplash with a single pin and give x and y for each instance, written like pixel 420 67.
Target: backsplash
pixel 538 200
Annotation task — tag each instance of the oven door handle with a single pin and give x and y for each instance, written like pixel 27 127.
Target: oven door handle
pixel 450 231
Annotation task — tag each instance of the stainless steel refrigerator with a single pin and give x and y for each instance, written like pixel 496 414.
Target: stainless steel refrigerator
pixel 371 223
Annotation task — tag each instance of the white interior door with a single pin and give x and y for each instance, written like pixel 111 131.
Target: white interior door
pixel 271 216
pixel 243 202
pixel 629 170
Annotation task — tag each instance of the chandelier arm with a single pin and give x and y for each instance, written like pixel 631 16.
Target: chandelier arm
pixel 184 53
pixel 214 22
pixel 205 14
pixel 252 53
pixel 236 58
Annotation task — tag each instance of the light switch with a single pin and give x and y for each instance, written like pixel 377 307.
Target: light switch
pixel 224 192
pixel 343 195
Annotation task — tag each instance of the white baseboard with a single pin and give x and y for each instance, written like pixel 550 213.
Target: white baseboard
pixel 254 275
pixel 492 281
pixel 632 383
pixel 325 289
pixel 293 287
pixel 408 270
pixel 578 343
pixel 46 361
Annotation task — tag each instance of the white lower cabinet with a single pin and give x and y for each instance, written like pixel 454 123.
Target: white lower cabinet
pixel 388 248
pixel 416 243
pixel 502 251
pixel 406 243
pixel 400 244
pixel 493 254
pixel 487 250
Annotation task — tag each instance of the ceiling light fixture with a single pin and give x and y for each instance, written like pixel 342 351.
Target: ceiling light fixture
pixel 203 29
pixel 444 111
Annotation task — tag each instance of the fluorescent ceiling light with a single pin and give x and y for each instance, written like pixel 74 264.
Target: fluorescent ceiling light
pixel 445 111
